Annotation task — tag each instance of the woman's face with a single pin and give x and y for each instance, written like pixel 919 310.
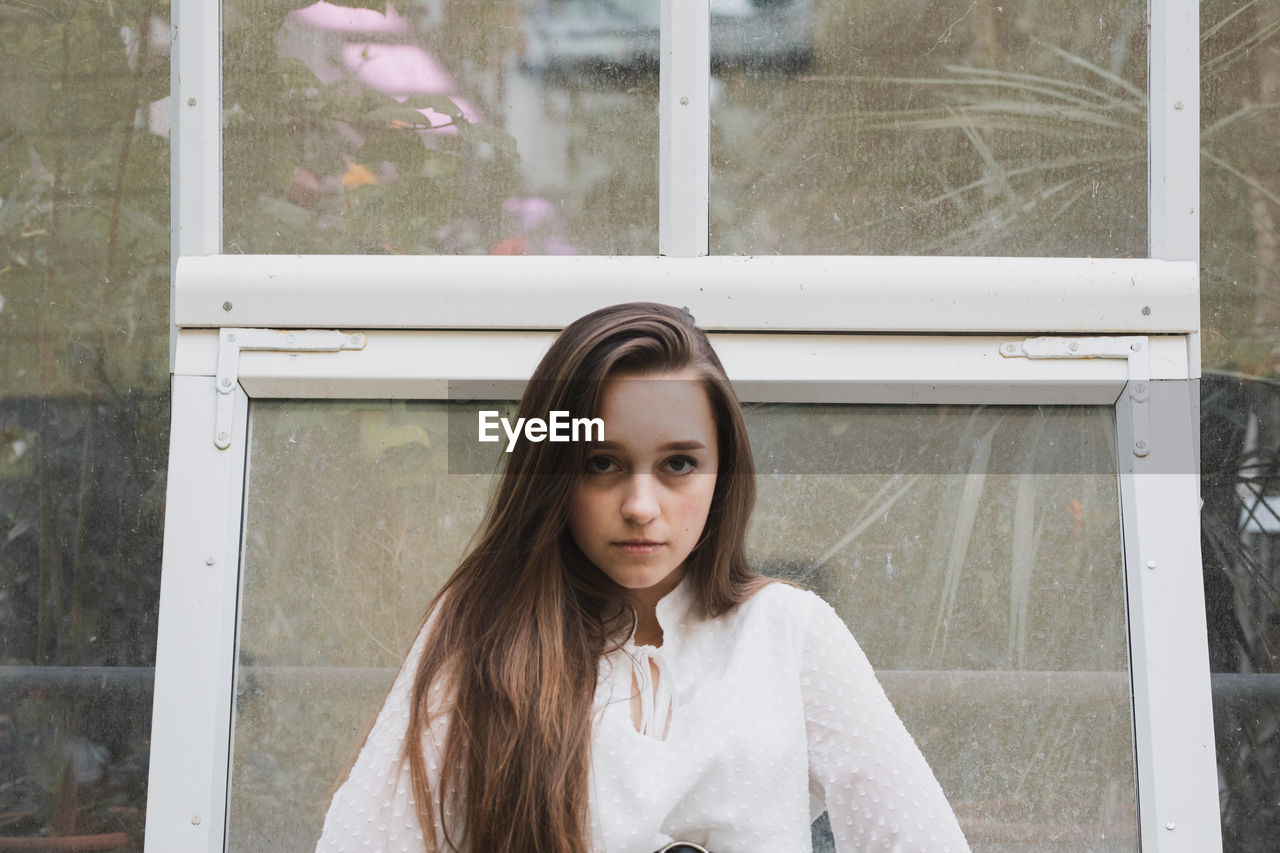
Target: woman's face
pixel 640 507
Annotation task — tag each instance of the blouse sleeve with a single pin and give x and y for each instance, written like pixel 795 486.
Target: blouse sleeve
pixel 879 792
pixel 374 809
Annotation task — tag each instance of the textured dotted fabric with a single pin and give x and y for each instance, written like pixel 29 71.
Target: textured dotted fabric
pixel 759 720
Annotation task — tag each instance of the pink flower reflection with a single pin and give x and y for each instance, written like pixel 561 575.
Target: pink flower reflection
pixel 402 70
pixel 530 212
pixel 397 69
pixel 326 16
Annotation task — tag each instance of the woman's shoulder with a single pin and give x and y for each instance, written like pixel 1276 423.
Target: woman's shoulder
pixel 778 592
pixel 781 600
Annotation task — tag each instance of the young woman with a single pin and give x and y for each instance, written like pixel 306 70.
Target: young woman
pixel 604 671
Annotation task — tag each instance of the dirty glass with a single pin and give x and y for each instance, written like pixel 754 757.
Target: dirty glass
pixel 953 127
pixel 974 551
pixel 84 415
pixel 453 127
pixel 1240 406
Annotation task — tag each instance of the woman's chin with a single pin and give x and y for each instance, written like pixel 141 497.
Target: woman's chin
pixel 649 584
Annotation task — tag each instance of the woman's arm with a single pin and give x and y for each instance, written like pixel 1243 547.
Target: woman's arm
pixel 880 793
pixel 374 809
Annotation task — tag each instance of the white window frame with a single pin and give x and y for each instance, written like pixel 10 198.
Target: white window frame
pixel 857 329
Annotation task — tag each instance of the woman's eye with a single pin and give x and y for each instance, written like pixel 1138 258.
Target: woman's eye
pixel 682 465
pixel 601 465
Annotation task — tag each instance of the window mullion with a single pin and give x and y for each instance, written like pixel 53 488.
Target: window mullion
pixel 684 127
pixel 195 137
pixel 1173 208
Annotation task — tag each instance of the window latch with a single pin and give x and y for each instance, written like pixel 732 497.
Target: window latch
pixel 231 342
pixel 1133 348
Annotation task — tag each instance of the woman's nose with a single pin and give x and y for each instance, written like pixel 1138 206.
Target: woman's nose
pixel 640 503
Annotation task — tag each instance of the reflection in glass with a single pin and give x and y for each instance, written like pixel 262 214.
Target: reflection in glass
pixel 954 127
pixel 974 551
pixel 976 555
pixel 425 130
pixel 84 415
pixel 351 524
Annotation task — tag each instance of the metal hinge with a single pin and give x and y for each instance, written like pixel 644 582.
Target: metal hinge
pixel 231 342
pixel 1132 348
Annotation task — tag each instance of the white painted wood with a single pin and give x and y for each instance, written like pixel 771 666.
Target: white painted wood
pixel 1173 209
pixel 775 293
pixel 195 137
pixel 195 648
pixel 233 341
pixel 406 364
pixel 684 110
pixel 1193 355
pixel 799 368
pixel 197 352
pixel 1160 506
pixel 1173 714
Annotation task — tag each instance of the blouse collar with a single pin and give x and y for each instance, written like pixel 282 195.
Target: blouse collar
pixel 674 611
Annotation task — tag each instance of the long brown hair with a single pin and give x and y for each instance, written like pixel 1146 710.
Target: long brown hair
pixel 519 628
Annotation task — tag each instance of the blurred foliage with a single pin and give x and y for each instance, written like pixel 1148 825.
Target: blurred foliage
pixel 1240 482
pixel 84 234
pixel 1240 185
pixel 962 127
pixel 337 167
pixel 84 277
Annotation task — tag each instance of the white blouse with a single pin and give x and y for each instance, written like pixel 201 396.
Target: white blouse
pixel 759 720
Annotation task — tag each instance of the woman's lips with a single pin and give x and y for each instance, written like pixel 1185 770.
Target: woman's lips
pixel 637 547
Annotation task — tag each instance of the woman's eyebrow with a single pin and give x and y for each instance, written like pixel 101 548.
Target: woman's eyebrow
pixel 691 444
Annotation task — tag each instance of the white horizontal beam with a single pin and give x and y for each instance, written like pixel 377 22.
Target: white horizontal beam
pixel 774 293
pixel 397 364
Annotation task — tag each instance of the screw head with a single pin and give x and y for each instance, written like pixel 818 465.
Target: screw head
pixel 226 382
pixel 1151 564
pixel 226 306
pixel 684 101
pixel 1142 389
pixel 1169 825
pixel 191 102
pixel 231 339
pixel 355 339
pixel 290 338
pixel 1073 346
pixel 195 820
pixel 222 436
pixel 1146 310
pixel 1139 444
pixel 1135 346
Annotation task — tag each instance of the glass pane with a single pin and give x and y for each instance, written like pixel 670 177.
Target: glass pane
pixel 976 555
pixel 352 521
pixel 442 128
pixel 84 415
pixel 1240 406
pixel 1240 527
pixel 952 127
pixel 974 551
